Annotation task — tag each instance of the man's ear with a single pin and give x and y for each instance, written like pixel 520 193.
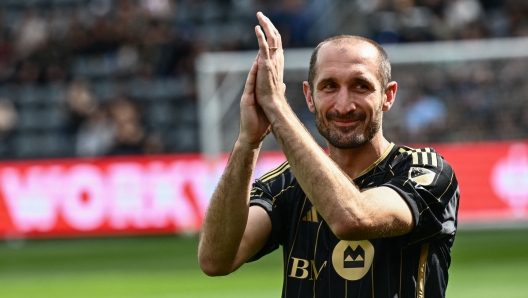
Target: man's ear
pixel 308 96
pixel 389 96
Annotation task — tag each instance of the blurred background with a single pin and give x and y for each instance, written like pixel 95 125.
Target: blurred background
pixel 103 125
pixel 111 77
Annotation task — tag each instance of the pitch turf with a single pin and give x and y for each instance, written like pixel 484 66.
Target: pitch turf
pixel 485 264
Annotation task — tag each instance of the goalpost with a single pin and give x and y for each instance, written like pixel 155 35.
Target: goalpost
pixel 220 80
pixel 221 77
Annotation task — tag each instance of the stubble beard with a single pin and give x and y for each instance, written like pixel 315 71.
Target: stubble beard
pixel 349 137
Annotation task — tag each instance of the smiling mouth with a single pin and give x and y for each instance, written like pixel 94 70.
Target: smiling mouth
pixel 345 122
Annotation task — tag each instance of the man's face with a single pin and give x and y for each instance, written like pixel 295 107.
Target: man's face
pixel 347 95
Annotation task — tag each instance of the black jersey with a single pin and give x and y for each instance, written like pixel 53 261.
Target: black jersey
pixel 318 264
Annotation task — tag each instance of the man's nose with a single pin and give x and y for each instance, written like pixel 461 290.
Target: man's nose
pixel 344 102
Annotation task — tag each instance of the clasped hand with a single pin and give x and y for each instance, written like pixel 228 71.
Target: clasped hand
pixel 264 89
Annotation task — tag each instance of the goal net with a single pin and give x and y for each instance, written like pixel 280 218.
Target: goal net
pixel 448 92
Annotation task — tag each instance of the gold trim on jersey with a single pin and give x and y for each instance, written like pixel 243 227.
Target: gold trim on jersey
pixel 427 208
pixel 449 185
pixel 401 270
pixel 293 245
pixel 275 172
pixel 283 190
pixel 372 277
pixel 316 272
pixel 256 192
pixel 424 157
pixel 426 237
pixel 422 266
pixel 311 216
pixel 377 162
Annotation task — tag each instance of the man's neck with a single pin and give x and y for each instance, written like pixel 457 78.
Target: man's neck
pixel 353 161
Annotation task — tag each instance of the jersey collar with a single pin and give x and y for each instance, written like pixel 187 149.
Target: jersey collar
pixel 377 162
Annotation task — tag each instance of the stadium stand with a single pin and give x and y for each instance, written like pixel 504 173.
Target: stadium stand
pixel 69 69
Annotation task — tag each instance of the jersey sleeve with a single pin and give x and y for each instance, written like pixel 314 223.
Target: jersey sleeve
pixel 270 192
pixel 429 186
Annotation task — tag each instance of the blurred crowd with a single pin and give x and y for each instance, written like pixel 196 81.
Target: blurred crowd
pixel 471 101
pixel 392 21
pixel 85 72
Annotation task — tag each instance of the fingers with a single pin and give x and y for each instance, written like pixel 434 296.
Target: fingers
pixel 268 37
pixel 263 44
pixel 274 38
pixel 271 59
pixel 249 88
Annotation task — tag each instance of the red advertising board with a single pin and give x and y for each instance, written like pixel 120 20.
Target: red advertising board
pixel 493 179
pixel 170 193
pixel 109 196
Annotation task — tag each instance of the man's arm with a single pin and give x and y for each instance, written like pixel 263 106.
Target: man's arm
pixel 232 232
pixel 350 213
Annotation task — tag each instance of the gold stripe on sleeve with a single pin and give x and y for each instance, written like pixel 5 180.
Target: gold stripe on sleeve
pixel 434 159
pixel 275 172
pixel 422 266
pixel 425 158
pixel 414 158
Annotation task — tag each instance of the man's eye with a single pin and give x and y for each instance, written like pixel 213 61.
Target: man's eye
pixel 362 87
pixel 330 86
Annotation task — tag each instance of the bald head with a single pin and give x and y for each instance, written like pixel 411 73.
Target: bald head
pixel 384 68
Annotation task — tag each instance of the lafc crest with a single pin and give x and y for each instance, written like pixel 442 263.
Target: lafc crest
pixel 421 176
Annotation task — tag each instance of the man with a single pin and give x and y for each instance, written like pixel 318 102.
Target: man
pixel 371 219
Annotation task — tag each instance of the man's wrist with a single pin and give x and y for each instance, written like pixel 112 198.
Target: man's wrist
pixel 247 146
pixel 278 110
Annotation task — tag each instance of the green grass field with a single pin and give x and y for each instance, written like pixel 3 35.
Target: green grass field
pixel 485 264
